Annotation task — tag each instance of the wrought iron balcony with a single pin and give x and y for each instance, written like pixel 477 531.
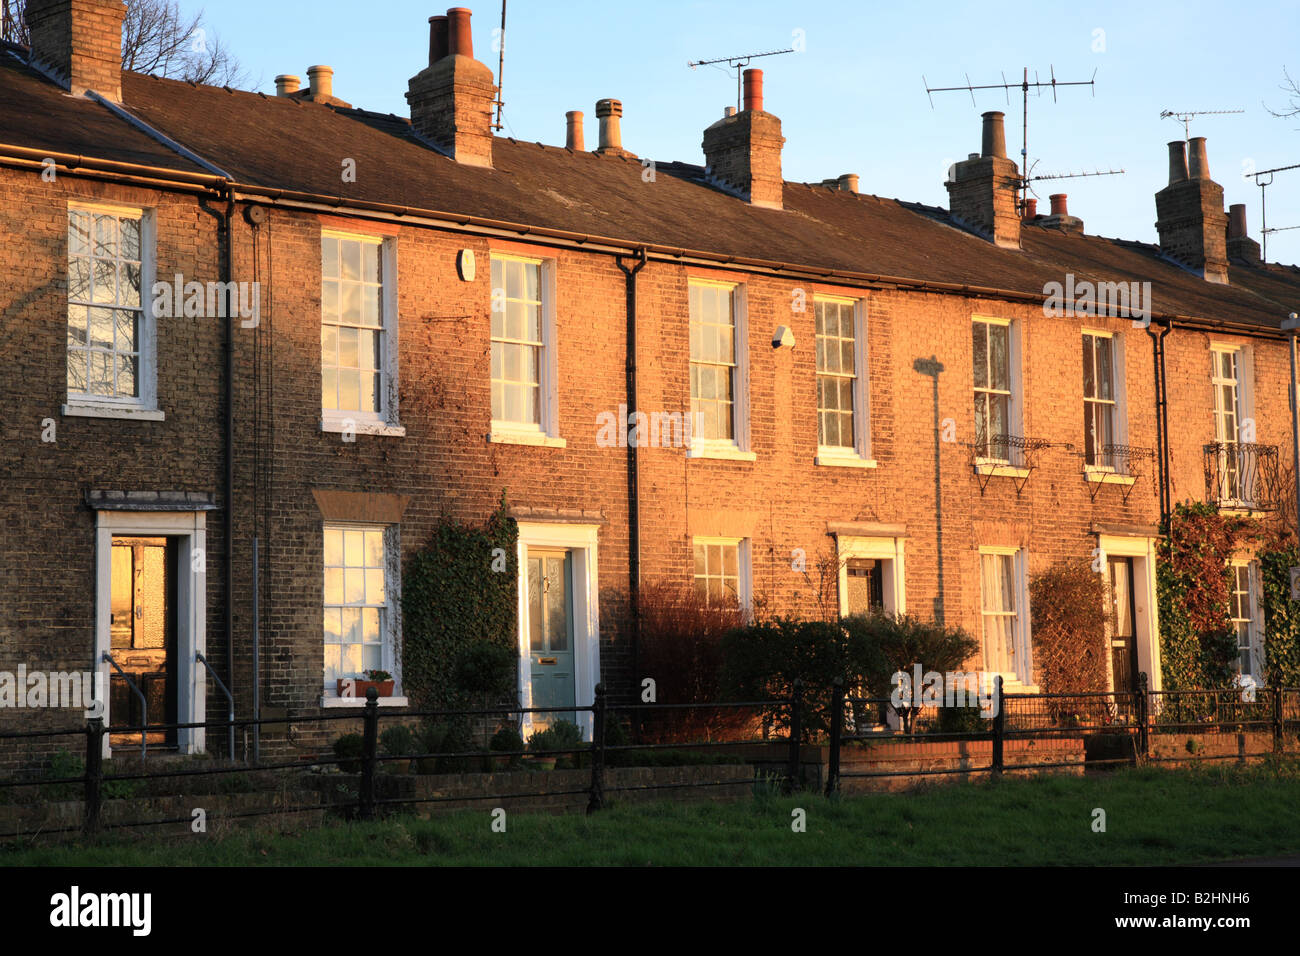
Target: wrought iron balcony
pixel 1120 464
pixel 1241 476
pixel 1011 455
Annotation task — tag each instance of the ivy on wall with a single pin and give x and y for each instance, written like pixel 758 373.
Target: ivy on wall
pixel 1281 617
pixel 1198 646
pixel 460 612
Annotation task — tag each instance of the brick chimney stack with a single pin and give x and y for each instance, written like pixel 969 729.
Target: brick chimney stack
pixel 743 152
pixel 1240 245
pixel 451 99
pixel 1189 213
pixel 81 42
pixel 982 192
pixel 1060 217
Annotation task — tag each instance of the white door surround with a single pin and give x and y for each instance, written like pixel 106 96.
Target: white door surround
pixel 1142 549
pixel 188 528
pixel 580 540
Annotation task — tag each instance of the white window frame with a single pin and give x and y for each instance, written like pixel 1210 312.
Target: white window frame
pixel 547 433
pixel 386 421
pixel 143 407
pixel 1119 404
pixel 1255 621
pixel 1015 400
pixel 391 623
pixel 744 568
pixel 1024 672
pixel 1245 409
pixel 893 573
pixel 737 448
pixel 859 456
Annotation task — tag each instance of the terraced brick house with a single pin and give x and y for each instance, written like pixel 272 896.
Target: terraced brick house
pixel 443 314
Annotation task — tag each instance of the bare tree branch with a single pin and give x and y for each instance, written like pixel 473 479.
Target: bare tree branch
pixel 1292 90
pixel 157 39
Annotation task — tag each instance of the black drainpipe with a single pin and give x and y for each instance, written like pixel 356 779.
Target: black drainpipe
pixel 1162 417
pixel 633 501
pixel 226 266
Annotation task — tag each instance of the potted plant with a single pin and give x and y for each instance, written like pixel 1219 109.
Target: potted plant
pixel 568 744
pixel 381 681
pixel 397 741
pixel 508 743
pixel 541 746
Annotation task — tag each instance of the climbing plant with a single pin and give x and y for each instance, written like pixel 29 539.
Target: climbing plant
pixel 1281 617
pixel 1068 606
pixel 459 612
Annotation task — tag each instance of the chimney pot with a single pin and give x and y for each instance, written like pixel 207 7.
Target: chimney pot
pixel 1177 161
pixel 610 113
pixel 1237 221
pixel 321 81
pixel 848 182
pixel 728 112
pixel 1031 209
pixel 753 89
pixel 286 84
pixel 1198 165
pixel 573 130
pixel 438 39
pixel 1058 204
pixel 460 38
pixel 994 141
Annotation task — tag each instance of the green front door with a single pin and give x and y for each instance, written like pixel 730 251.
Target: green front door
pixel 550 633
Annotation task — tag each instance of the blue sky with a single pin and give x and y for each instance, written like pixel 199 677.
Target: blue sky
pixel 853 101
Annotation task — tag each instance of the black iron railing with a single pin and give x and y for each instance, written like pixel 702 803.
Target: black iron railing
pixel 1241 475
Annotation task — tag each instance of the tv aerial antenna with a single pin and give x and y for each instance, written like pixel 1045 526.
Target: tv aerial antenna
pixel 1186 118
pixel 1263 205
pixel 500 43
pixel 1025 85
pixel 736 63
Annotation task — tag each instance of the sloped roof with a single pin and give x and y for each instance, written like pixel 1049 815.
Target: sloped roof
pixel 298 146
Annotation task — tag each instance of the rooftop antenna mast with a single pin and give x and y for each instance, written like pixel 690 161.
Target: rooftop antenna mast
pixel 1025 85
pixel 1186 118
pixel 1263 205
pixel 736 63
pixel 501 65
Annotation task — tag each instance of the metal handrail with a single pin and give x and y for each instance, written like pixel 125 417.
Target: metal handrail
pixel 144 706
pixel 230 700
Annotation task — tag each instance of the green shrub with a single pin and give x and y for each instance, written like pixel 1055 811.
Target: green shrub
pixel 962 720
pixel 508 740
pixel 349 749
pixel 396 741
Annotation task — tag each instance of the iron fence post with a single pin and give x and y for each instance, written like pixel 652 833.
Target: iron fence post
pixel 597 801
pixel 837 723
pixel 999 725
pixel 1277 718
pixel 94 774
pixel 1140 713
pixel 796 731
pixel 369 741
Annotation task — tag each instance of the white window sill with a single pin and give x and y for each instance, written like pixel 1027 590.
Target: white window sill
pixel 841 458
pixel 329 700
pixel 1001 469
pixel 1107 476
pixel 503 435
pixel 362 427
pixel 721 450
pixel 85 410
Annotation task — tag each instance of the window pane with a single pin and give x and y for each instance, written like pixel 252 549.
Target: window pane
pixel 999 376
pixel 979 339
pixel 1089 373
pixel 329 257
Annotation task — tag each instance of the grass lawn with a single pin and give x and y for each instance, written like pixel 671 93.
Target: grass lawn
pixel 1153 816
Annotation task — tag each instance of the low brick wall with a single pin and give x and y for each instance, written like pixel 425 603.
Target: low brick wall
pixel 554 790
pixel 917 761
pixel 1182 749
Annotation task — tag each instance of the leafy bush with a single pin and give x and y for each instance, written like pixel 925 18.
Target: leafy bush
pixel 450 737
pixel 397 741
pixel 883 644
pixel 962 720
pixel 680 648
pixel 763 660
pixel 349 748
pixel 1281 618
